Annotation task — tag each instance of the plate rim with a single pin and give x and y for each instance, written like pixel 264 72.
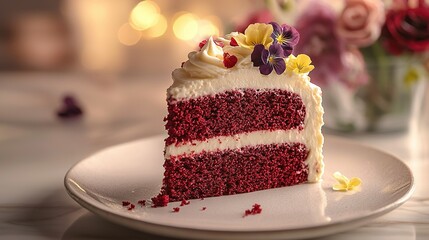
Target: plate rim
pixel 195 233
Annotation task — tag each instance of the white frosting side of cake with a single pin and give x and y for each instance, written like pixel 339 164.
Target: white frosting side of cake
pixel 185 87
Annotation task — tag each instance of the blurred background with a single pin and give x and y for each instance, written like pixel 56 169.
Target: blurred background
pixel 109 61
pixel 115 37
pixel 113 58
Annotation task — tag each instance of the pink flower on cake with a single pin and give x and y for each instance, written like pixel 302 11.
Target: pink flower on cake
pixel 360 21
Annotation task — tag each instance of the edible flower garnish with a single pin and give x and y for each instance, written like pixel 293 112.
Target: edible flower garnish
pixel 344 184
pixel 270 59
pixel 258 33
pixel 233 42
pixel 229 61
pixel 286 36
pixel 299 64
pixel 270 46
pixel 204 42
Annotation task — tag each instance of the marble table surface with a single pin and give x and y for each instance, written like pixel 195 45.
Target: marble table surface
pixel 36 150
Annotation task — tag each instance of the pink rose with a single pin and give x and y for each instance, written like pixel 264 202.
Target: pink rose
pixel 360 21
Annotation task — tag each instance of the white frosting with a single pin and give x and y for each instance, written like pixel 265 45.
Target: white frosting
pixel 236 141
pixel 243 54
pixel 206 63
pixel 186 87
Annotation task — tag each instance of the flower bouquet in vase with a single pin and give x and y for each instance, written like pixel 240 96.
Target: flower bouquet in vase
pixel 370 56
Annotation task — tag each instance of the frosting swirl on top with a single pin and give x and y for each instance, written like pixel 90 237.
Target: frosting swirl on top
pixel 266 46
pixel 243 54
pixel 206 63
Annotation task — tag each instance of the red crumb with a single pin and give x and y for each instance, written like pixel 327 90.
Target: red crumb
pixel 125 203
pixel 131 207
pixel 184 202
pixel 256 209
pixel 142 202
pixel 160 201
pixel 176 209
pixel 204 208
pixel 202 198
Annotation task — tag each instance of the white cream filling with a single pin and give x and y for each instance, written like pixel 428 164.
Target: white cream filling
pixel 185 87
pixel 237 141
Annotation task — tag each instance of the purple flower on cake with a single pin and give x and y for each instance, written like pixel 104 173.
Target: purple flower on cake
pixel 270 59
pixel 286 36
pixel 256 55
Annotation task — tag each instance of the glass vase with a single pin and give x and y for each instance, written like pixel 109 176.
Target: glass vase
pixel 383 104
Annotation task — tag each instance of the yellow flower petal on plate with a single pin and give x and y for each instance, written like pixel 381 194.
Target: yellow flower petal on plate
pixel 339 187
pixel 344 184
pixel 341 178
pixel 355 182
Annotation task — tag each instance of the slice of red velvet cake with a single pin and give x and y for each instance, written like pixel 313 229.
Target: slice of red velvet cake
pixel 242 116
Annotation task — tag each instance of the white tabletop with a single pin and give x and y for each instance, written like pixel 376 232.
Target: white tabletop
pixel 36 150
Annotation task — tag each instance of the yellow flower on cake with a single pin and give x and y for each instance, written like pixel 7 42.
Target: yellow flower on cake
pixel 299 64
pixel 344 184
pixel 258 33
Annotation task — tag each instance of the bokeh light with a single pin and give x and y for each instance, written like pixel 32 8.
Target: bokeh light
pixel 145 15
pixel 206 29
pixel 185 26
pixel 216 22
pixel 128 35
pixel 157 30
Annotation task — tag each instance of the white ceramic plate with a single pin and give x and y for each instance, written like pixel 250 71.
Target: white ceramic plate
pixel 133 171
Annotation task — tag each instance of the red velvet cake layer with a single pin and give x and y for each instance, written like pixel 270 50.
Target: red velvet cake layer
pixel 235 171
pixel 233 112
